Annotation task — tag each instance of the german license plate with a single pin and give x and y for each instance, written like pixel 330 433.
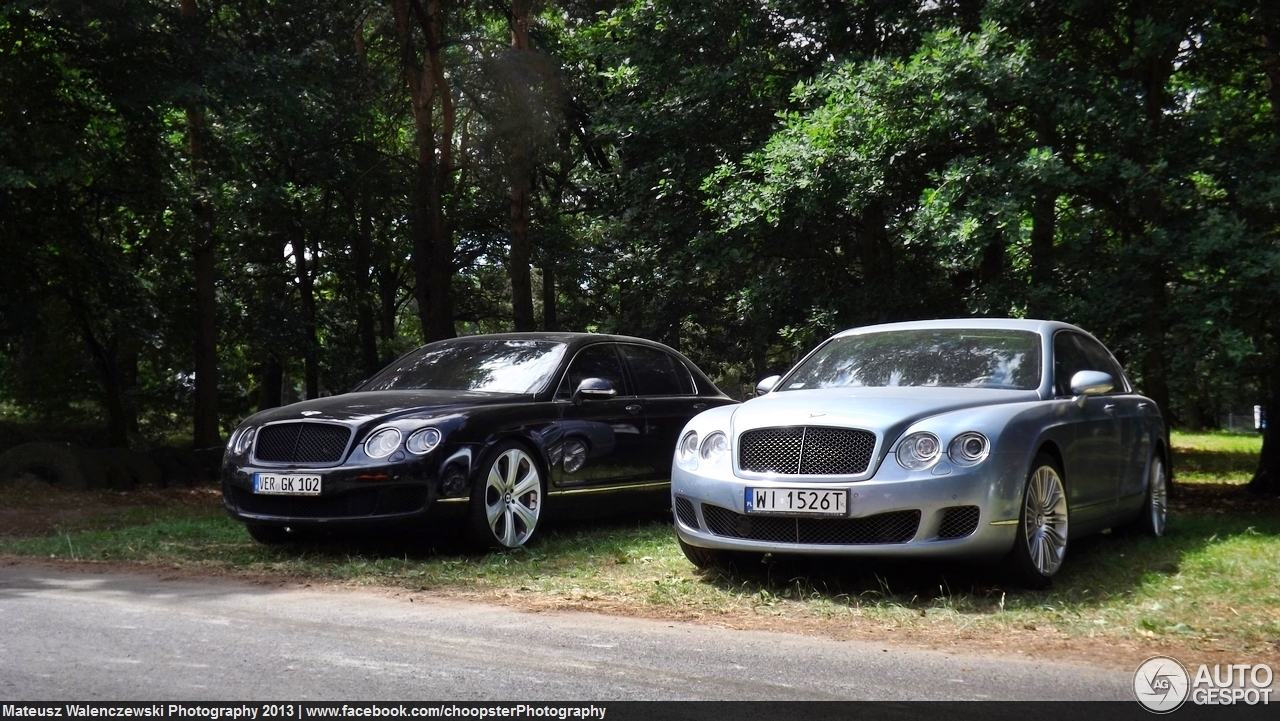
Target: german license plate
pixel 801 501
pixel 286 484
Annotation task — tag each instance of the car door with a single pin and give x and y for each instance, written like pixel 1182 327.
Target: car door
pixel 1131 411
pixel 1093 459
pixel 599 441
pixel 665 389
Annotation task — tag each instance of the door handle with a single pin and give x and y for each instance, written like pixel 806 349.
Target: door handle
pixel 1143 406
pixel 699 406
pixel 634 408
pixel 1109 408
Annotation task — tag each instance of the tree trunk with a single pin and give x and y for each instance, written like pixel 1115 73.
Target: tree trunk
pixel 1156 69
pixel 521 282
pixel 362 254
pixel 104 362
pixel 205 433
pixel 1266 479
pixel 432 240
pixel 548 297
pixel 521 186
pixel 307 297
pixel 1043 230
pixel 270 382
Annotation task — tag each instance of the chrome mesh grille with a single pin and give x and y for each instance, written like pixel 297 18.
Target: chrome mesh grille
pixel 684 512
pixel 892 527
pixel 958 522
pixel 806 450
pixel 301 443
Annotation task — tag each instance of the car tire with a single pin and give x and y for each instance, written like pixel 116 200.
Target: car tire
pixel 1040 546
pixel 507 498
pixel 1154 517
pixel 268 535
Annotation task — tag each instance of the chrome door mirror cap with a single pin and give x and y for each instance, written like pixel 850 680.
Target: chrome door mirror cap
pixel 1091 383
pixel 767 385
pixel 594 389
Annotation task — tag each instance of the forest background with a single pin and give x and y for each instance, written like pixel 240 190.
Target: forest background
pixel 208 209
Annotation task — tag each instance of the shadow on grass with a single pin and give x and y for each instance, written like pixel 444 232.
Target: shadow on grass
pixel 1217 463
pixel 1098 568
pixel 448 538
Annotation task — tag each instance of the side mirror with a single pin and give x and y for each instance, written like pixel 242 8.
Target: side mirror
pixel 597 389
pixel 1091 383
pixel 767 385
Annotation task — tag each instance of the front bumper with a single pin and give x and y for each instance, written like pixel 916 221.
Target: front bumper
pixel 392 494
pixel 944 512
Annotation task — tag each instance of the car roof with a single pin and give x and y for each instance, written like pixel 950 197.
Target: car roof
pixel 572 338
pixel 1043 327
pixel 576 341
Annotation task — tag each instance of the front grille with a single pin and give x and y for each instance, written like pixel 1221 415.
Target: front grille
pixel 958 522
pixel 359 503
pixel 301 443
pixel 684 512
pixel 892 527
pixel 806 450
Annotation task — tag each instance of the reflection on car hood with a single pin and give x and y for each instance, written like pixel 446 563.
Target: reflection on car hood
pixel 883 410
pixel 362 407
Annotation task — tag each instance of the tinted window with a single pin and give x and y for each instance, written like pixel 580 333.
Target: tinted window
pixel 945 357
pixel 1074 352
pixel 494 366
pixel 655 372
pixel 594 361
pixel 1068 360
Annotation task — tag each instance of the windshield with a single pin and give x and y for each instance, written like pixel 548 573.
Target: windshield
pixel 491 366
pixel 946 357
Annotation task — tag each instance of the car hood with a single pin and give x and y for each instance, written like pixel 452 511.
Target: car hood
pixel 887 411
pixel 362 407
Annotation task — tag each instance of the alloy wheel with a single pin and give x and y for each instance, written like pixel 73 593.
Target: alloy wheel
pixel 1045 520
pixel 512 498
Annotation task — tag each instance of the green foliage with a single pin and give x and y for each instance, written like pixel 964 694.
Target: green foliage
pixel 738 179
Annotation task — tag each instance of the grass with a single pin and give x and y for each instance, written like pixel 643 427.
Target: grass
pixel 1207 590
pixel 1215 457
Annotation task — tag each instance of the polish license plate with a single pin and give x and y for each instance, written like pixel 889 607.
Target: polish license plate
pixel 800 501
pixel 286 484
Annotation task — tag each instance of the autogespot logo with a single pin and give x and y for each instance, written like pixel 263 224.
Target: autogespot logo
pixel 1161 684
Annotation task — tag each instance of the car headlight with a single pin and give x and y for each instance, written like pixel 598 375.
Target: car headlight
pixel 969 449
pixel 918 450
pixel 423 441
pixel 241 444
pixel 714 446
pixel 688 447
pixel 382 443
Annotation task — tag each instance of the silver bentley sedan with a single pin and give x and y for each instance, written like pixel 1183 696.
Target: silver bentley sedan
pixel 980 438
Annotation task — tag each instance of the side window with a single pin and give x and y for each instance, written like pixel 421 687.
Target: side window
pixel 655 372
pixel 1068 360
pixel 1101 360
pixel 594 361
